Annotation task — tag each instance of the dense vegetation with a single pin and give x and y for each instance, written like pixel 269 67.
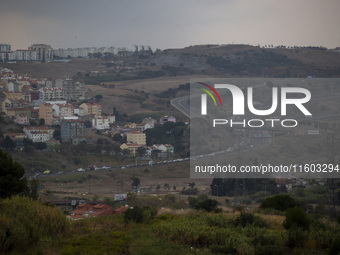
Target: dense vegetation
pixel 171 93
pixel 169 133
pixel 30 227
pixel 226 187
pixel 12 181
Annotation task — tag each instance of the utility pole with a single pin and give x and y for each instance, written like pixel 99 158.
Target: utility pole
pixel 239 160
pixel 216 188
pixel 330 181
pixel 265 188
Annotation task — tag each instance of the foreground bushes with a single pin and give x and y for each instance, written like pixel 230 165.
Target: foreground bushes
pixel 108 241
pixel 139 214
pixel 249 234
pixel 279 202
pixel 296 218
pixel 24 221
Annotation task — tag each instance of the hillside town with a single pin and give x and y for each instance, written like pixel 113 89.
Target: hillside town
pixel 51 112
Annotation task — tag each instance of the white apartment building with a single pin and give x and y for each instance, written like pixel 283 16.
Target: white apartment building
pixel 23 55
pixel 102 122
pixel 39 134
pixel 51 94
pixel 5 47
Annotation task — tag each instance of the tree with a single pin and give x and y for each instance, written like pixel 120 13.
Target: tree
pixel 41 122
pixel 57 135
pixel 135 181
pixel 98 97
pixel 191 184
pixel 279 202
pixel 40 145
pixel 166 186
pixel 296 218
pixel 12 181
pixel 8 143
pixel 126 152
pixel 33 188
pixel 118 138
pixel 209 205
pixel 141 151
pixel 87 123
pixel 27 142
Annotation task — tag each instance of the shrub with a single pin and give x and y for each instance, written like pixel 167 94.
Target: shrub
pixel 279 202
pixel 296 238
pixel 246 219
pixel 296 218
pixel 209 205
pixel 24 221
pixel 190 191
pixel 193 201
pixel 103 242
pixel 334 249
pixel 134 214
pixel 139 214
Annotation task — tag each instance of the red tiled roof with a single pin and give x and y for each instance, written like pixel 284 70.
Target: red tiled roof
pixel 120 210
pixel 85 210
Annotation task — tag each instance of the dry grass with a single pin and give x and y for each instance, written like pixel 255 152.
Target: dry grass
pixel 127 96
pixel 107 183
pixel 57 70
pixel 274 221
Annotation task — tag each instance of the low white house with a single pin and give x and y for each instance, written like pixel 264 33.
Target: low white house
pixel 164 147
pixel 102 122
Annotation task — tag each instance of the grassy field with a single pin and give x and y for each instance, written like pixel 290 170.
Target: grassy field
pixel 137 96
pixel 103 184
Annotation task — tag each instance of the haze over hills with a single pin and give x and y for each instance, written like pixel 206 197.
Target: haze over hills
pixel 226 60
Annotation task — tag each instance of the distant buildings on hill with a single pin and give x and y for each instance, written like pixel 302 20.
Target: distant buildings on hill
pixel 45 52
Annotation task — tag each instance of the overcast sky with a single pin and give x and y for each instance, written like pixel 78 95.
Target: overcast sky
pixel 169 23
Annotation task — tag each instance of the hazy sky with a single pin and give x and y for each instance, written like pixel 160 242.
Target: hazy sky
pixel 169 23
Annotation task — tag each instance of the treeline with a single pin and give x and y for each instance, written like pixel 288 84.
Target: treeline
pixel 97 80
pixel 174 71
pixel 251 62
pixel 171 93
pixel 227 187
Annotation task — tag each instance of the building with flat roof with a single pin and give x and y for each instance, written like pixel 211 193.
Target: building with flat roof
pixel 46 113
pixel 71 128
pixel 136 137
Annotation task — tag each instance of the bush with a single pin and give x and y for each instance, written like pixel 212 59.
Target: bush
pixel 266 245
pixel 103 242
pixel 246 219
pixel 296 218
pixel 190 191
pixel 279 202
pixel 24 221
pixel 193 201
pixel 334 249
pixel 139 214
pixel 296 238
pixel 209 205
pixel 134 214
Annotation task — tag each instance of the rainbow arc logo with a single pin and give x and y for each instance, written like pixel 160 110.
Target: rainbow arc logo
pixel 204 97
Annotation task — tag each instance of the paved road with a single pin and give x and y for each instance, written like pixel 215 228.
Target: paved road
pixel 182 104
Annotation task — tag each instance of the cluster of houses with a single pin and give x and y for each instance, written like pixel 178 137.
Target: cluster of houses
pixel 136 138
pixel 31 102
pixel 43 105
